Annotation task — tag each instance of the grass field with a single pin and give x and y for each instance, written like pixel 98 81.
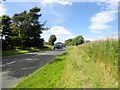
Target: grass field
pixel 92 65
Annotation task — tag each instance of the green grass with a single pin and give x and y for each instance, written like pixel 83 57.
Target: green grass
pixel 22 51
pixel 47 76
pixel 92 65
pixel 51 47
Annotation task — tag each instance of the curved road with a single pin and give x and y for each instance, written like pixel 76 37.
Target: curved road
pixel 16 67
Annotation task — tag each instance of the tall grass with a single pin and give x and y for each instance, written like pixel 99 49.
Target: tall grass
pixel 92 65
pixel 104 52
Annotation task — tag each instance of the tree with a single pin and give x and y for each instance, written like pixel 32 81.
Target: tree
pixel 78 40
pixel 6 32
pixel 52 39
pixel 87 41
pixel 46 43
pixel 68 42
pixel 23 29
pixel 0 28
pixel 6 28
pixel 75 41
pixel 28 27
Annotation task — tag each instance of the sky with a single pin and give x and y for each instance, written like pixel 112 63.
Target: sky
pixel 93 19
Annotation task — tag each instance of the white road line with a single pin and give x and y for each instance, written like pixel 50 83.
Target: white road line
pixel 40 54
pixel 8 63
pixel 11 62
pixel 1 65
pixel 29 68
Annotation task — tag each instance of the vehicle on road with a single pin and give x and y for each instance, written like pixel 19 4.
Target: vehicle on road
pixel 59 45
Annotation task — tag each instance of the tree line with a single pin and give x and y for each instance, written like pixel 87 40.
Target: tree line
pixel 75 41
pixel 22 30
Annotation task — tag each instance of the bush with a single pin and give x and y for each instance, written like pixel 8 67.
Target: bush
pixel 68 42
pixel 78 40
pixel 74 42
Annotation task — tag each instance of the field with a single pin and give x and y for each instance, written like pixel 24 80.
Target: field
pixel 91 65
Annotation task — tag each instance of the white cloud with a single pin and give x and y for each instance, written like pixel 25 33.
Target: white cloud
pixel 101 20
pixel 2 9
pixel 57 16
pixel 88 38
pixel 109 4
pixel 103 17
pixel 62 2
pixel 61 33
pixel 49 7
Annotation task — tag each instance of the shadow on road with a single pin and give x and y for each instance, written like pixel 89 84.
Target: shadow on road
pixel 27 66
pixel 16 67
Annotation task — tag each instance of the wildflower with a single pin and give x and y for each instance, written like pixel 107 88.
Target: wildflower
pixel 116 83
pixel 87 59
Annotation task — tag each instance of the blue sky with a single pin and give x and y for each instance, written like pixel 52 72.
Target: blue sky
pixel 68 19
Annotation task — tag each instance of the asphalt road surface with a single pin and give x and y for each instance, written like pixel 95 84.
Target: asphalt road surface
pixel 16 67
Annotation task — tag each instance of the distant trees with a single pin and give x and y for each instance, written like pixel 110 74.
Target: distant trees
pixel 52 39
pixel 69 42
pixel 46 43
pixel 78 40
pixel 87 41
pixel 75 41
pixel 23 29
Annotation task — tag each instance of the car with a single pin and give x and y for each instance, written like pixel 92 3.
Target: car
pixel 59 45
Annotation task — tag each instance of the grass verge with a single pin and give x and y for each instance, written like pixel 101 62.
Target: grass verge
pixel 93 65
pixel 47 76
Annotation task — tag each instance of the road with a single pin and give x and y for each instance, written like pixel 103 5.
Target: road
pixel 16 67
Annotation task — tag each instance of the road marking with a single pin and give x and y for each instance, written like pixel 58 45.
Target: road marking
pixel 11 62
pixel 8 63
pixel 40 54
pixel 29 68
